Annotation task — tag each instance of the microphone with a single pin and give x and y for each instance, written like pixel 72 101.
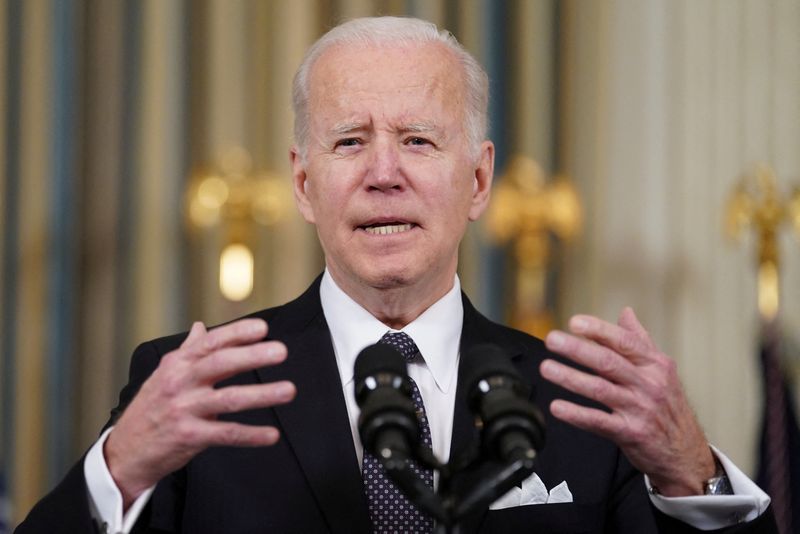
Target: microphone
pixel 388 423
pixel 512 428
pixel 389 427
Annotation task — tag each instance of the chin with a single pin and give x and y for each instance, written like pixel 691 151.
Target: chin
pixel 388 278
pixel 388 281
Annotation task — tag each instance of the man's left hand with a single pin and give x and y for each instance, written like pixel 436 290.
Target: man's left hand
pixel 650 418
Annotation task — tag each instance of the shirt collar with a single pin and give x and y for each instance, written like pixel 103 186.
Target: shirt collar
pixel 437 331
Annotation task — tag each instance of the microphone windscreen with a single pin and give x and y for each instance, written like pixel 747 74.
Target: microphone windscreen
pixel 484 360
pixel 378 358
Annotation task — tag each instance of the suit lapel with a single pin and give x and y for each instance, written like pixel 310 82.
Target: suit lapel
pixel 316 424
pixel 477 330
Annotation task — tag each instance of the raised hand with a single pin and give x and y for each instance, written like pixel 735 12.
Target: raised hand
pixel 650 418
pixel 174 415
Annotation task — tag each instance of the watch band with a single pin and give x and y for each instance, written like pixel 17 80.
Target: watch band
pixel 719 484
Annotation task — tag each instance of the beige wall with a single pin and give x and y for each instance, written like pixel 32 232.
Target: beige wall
pixel 666 104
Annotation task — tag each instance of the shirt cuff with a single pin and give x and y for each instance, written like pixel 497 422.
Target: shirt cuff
pixel 709 512
pixel 106 499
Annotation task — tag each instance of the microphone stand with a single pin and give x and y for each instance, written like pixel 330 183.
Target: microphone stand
pixel 511 431
pixel 500 480
pixel 399 470
pixel 446 507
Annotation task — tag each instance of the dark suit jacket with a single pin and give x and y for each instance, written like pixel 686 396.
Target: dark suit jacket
pixel 310 482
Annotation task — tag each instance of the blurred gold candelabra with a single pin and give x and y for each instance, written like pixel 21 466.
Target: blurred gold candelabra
pixel 757 203
pixel 236 200
pixel 529 211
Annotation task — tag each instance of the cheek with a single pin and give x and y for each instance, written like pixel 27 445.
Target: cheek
pixel 456 197
pixel 333 182
pixel 329 204
pixel 318 191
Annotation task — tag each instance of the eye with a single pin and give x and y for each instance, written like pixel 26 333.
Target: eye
pixel 350 141
pixel 418 141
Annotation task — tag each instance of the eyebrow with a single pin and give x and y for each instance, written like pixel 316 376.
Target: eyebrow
pixel 346 128
pixel 419 127
pixel 413 127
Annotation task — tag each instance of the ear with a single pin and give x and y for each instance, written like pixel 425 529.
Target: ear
pixel 482 185
pixel 300 185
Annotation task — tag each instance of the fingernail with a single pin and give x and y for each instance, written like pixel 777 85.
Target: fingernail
pixel 555 340
pixel 284 391
pixel 557 409
pixel 275 350
pixel 549 369
pixel 257 327
pixel 579 324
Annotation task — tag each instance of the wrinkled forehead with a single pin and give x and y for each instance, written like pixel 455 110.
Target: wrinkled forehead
pixel 411 77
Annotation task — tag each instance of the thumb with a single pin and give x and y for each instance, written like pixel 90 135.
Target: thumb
pixel 629 321
pixel 197 331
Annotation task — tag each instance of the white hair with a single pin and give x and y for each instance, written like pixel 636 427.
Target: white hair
pixel 371 31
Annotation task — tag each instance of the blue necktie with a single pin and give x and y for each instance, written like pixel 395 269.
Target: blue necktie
pixel 389 509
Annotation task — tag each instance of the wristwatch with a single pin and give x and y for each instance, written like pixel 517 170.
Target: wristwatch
pixel 719 483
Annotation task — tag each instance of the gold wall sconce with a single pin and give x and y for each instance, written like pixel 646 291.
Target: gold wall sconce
pixel 236 200
pixel 528 211
pixel 757 203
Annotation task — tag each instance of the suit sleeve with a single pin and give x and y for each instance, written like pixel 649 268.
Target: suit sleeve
pixel 67 507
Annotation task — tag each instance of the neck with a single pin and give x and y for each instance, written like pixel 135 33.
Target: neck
pixel 396 304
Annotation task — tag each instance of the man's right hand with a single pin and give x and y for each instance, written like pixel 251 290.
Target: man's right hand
pixel 174 415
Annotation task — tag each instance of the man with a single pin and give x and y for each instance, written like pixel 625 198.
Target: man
pixel 250 428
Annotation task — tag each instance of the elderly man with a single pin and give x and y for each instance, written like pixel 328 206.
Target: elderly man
pixel 252 428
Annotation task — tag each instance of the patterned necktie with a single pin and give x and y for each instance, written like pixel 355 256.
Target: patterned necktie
pixel 389 509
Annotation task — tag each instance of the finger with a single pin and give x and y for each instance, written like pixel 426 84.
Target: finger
pixel 589 354
pixel 230 361
pixel 234 399
pixel 591 419
pixel 235 434
pixel 625 342
pixel 195 334
pixel 242 332
pixel 629 321
pixel 590 386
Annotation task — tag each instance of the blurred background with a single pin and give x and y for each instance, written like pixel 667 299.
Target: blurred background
pixel 146 185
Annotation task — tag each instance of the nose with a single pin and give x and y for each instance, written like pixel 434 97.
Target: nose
pixel 384 171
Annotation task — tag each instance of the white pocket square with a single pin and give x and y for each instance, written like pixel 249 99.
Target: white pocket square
pixel 533 491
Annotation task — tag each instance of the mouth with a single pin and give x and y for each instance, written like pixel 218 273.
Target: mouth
pixel 386 228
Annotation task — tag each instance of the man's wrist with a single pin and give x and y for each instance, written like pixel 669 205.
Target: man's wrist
pixel 719 484
pixel 691 481
pixel 130 487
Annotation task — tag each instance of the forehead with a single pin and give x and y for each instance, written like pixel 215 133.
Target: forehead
pixel 413 81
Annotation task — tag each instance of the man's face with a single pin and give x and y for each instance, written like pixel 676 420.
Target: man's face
pixel 389 179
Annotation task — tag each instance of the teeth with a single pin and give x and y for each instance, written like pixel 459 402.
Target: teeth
pixel 388 229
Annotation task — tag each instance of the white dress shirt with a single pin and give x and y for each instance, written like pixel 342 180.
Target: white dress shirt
pixel 437 333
